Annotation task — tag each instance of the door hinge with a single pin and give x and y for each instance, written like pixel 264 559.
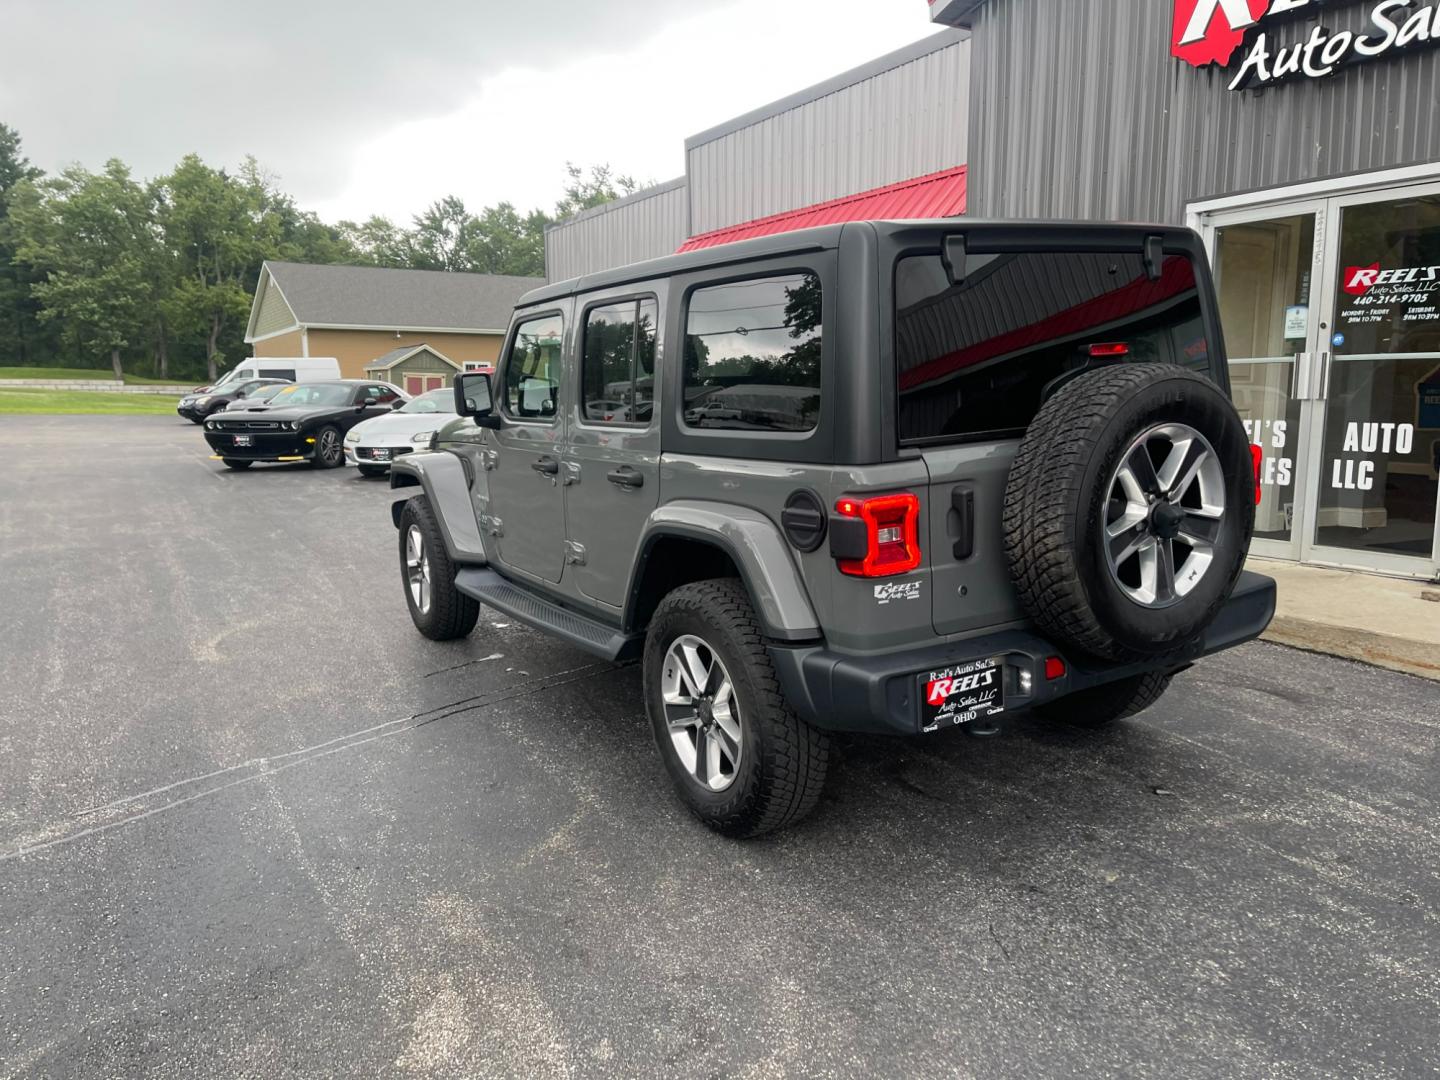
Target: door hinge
pixel 572 472
pixel 492 525
pixel 574 553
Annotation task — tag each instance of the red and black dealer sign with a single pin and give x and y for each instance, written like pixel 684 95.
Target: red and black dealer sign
pixel 1260 42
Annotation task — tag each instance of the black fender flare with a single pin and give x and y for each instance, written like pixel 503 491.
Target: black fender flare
pixel 442 477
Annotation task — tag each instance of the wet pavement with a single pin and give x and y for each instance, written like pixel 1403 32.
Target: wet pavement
pixel 252 824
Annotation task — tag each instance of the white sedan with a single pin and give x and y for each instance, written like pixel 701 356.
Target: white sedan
pixel 372 445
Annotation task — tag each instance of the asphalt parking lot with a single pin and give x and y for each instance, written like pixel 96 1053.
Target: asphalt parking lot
pixel 252 824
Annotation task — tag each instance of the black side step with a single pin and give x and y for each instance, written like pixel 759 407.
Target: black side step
pixel 579 630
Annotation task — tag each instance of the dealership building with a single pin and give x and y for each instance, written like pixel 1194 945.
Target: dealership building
pixel 1301 138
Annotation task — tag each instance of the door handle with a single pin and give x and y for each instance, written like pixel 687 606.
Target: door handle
pixel 626 477
pixel 547 466
pixel 1300 377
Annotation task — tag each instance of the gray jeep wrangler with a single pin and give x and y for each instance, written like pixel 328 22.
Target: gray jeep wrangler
pixel 889 477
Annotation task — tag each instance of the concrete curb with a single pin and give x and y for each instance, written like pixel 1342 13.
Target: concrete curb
pixel 1382 650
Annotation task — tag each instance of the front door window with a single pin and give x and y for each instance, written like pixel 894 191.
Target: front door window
pixel 1381 446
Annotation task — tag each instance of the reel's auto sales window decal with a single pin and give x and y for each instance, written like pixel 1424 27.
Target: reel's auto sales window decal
pixel 1272 45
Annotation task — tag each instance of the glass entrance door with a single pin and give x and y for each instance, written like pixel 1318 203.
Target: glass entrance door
pixel 1380 436
pixel 1331 311
pixel 1267 271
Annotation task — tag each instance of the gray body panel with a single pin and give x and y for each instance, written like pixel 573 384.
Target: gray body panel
pixel 604 519
pixel 529 503
pixel 442 478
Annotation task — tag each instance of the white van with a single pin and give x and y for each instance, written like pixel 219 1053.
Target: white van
pixel 294 368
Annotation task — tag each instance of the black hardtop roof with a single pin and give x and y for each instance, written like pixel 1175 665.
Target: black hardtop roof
pixel 1073 233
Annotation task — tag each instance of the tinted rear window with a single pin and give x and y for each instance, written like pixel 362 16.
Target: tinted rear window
pixel 975 358
pixel 752 355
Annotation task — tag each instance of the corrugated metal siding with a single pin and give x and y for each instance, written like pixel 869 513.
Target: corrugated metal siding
pixel 643 226
pixel 905 122
pixel 940 194
pixel 1079 110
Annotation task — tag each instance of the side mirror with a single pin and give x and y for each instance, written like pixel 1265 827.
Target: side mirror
pixel 473 399
pixel 369 401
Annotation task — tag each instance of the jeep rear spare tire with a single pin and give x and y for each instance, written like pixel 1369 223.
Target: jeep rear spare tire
pixel 1129 510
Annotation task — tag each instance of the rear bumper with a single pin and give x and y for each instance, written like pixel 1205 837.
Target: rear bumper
pixel 839 692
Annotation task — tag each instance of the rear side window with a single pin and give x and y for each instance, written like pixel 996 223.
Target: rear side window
pixel 532 369
pixel 617 372
pixel 975 358
pixel 288 374
pixel 752 355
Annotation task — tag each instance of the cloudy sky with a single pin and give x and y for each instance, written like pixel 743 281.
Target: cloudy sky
pixel 362 107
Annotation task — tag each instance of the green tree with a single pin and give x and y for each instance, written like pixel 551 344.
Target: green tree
pixel 19 309
pixel 442 236
pixel 503 241
pixel 216 229
pixel 378 241
pixel 93 235
pixel 589 189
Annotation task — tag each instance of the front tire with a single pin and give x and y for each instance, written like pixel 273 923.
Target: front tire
pixel 237 463
pixel 1103 705
pixel 439 610
pixel 329 448
pixel 741 760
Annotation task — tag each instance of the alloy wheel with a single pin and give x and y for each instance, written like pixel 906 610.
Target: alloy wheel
pixel 329 445
pixel 417 570
pixel 701 712
pixel 1166 503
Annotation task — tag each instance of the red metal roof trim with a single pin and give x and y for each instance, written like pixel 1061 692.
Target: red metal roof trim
pixel 940 194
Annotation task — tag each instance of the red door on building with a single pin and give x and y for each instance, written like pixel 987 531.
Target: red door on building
pixel 418 384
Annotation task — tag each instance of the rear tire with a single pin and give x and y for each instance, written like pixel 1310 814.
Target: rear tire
pixel 236 463
pixel 776 768
pixel 1102 705
pixel 329 448
pixel 439 610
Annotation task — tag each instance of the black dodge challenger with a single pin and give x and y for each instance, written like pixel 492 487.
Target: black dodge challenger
pixel 305 422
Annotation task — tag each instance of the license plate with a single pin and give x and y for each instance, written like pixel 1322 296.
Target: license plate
pixel 243 440
pixel 380 455
pixel 962 694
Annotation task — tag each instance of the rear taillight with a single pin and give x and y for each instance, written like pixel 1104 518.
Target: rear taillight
pixel 892 534
pixel 1110 348
pixel 1257 455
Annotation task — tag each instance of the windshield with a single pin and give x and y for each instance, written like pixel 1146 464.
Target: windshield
pixel 314 394
pixel 265 393
pixel 436 401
